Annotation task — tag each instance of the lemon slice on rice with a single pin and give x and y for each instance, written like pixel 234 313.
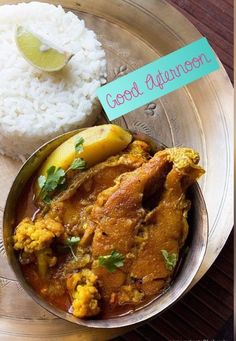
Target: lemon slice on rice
pixel 39 52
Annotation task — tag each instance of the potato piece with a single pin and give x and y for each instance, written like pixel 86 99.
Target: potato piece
pixel 100 142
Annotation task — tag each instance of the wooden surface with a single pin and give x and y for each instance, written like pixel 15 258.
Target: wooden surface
pixel 134 33
pixel 207 311
pixel 214 19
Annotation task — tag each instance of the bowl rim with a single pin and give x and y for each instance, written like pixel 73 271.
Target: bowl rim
pixel 116 322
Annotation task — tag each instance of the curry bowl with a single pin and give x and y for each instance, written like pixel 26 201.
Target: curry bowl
pixel 188 265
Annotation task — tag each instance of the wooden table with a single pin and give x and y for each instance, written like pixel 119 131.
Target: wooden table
pixel 206 312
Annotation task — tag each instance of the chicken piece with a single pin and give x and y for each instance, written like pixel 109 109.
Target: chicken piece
pixel 85 296
pixel 108 281
pixel 73 206
pixel 166 226
pixel 119 213
pixel 34 236
pixel 133 157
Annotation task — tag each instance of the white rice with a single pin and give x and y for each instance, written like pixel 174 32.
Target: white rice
pixel 34 105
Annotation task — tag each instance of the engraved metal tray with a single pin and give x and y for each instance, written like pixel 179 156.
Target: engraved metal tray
pixel 134 33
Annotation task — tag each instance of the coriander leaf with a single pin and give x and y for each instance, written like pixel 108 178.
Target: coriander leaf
pixel 78 164
pixel 51 170
pixel 72 241
pixel 72 252
pixel 50 185
pixel 41 181
pixel 112 262
pixel 60 173
pixel 170 260
pixel 47 199
pixel 79 144
pixel 55 178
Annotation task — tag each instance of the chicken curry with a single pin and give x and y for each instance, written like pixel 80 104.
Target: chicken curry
pixel 103 240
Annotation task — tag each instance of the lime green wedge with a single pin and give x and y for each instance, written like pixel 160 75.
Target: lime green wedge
pixel 39 52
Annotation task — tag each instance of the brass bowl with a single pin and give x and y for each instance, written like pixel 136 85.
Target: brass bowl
pixel 190 263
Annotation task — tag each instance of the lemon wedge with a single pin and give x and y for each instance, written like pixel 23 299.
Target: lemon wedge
pixel 39 52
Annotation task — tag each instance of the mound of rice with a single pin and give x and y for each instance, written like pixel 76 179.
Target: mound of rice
pixel 34 105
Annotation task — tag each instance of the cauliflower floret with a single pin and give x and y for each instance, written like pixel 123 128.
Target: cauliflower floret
pixel 85 276
pixel 85 303
pixel 34 236
pixel 84 293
